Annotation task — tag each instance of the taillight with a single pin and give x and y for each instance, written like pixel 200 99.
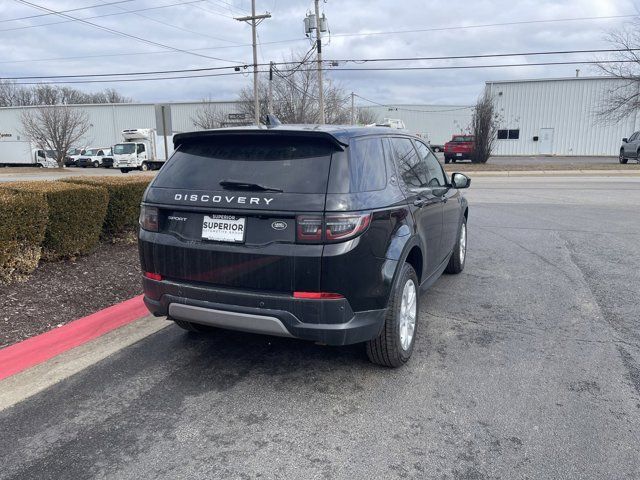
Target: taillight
pixel 343 226
pixel 149 218
pixel 334 227
pixel 309 228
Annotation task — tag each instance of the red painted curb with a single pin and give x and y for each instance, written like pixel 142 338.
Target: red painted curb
pixel 32 351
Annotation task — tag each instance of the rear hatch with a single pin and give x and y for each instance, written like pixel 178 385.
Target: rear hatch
pixel 227 209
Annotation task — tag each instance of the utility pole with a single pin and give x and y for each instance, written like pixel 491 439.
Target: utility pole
pixel 254 20
pixel 270 99
pixel 319 60
pixel 353 108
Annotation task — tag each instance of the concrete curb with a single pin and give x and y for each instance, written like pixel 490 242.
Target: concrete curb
pixel 34 380
pixel 35 350
pixel 560 173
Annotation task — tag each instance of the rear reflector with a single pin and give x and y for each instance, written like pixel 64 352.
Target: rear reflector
pixel 153 276
pixel 316 295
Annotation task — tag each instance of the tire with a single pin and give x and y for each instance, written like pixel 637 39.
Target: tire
pixel 124 170
pixel 144 167
pixel 192 327
pixel 621 158
pixel 391 348
pixel 95 164
pixel 453 160
pixel 459 255
pixel 447 160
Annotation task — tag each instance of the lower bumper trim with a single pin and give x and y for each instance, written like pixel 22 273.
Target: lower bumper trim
pixel 245 322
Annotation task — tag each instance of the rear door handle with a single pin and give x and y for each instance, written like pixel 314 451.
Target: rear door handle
pixel 420 202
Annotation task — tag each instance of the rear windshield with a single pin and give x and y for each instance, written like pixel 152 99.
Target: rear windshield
pixel 290 164
pixel 462 138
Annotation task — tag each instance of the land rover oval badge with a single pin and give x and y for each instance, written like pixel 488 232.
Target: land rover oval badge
pixel 279 225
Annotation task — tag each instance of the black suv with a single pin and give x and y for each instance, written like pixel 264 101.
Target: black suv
pixel 323 233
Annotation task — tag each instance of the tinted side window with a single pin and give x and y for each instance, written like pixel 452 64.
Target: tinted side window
pixel 436 176
pixel 412 170
pixel 366 165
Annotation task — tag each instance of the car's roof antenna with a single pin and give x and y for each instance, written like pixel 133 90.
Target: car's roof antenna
pixel 272 121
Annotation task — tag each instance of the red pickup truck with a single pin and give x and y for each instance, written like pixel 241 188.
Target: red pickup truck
pixel 460 147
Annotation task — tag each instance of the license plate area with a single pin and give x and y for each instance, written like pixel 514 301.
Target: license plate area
pixel 458 154
pixel 224 228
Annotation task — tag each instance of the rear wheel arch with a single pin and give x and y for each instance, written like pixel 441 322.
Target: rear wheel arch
pixel 416 260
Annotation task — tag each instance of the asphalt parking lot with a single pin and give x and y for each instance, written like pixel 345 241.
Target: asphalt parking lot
pixel 527 365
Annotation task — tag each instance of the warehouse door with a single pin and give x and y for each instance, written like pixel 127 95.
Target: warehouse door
pixel 545 146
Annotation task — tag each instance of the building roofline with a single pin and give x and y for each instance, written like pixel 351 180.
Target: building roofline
pixel 553 79
pixel 143 104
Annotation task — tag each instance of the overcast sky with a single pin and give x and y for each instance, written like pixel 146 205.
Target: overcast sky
pixel 207 27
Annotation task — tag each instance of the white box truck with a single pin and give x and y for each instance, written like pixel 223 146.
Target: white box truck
pixel 20 153
pixel 138 151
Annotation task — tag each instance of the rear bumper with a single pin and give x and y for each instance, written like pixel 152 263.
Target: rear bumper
pixel 329 321
pixel 458 155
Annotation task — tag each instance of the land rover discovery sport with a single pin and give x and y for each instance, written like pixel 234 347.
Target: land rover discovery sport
pixel 320 233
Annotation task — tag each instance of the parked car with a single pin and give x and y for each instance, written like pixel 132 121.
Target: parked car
pixel 72 156
pixel 460 147
pixel 93 157
pixel 321 233
pixel 630 148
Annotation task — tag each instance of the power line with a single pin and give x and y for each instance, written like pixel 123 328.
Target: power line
pixel 117 32
pixel 190 2
pixel 65 11
pixel 485 25
pixel 287 70
pixel 411 109
pixel 464 67
pixel 139 79
pixel 297 64
pixel 279 72
pixel 291 40
pixel 487 55
pixel 175 27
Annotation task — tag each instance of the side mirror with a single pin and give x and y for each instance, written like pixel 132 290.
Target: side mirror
pixel 460 180
pixel 625 140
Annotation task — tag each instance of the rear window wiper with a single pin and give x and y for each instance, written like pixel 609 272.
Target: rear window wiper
pixel 233 185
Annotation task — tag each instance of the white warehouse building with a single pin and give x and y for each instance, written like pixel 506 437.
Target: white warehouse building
pixel 537 117
pixel 557 117
pixel 435 123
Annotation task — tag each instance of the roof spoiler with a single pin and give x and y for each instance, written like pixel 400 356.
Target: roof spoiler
pixel 180 138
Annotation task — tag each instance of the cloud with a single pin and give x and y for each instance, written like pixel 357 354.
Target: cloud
pixel 208 28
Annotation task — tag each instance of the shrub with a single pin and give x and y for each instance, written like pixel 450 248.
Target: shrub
pixel 125 195
pixel 75 216
pixel 23 220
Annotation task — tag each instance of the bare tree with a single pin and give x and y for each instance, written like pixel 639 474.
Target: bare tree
pixel 13 95
pixel 366 116
pixel 208 116
pixel 484 127
pixel 295 95
pixel 622 99
pixel 55 128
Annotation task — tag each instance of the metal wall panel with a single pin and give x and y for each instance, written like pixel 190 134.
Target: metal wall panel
pixel 434 122
pixel 568 106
